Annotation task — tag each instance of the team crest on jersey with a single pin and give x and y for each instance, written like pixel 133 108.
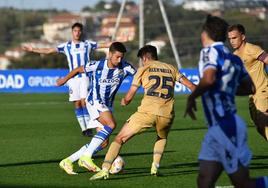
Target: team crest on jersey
pixel 121 72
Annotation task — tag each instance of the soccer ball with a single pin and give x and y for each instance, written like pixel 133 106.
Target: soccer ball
pixel 117 165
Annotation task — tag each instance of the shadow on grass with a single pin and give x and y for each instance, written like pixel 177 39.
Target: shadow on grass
pixel 58 160
pixel 178 169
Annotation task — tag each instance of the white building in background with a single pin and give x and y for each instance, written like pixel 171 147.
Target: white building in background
pixel 126 30
pixel 159 44
pixel 203 5
pixel 14 53
pixel 4 62
pixel 58 28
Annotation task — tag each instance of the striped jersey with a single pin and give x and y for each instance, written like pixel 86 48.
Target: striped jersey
pixel 77 53
pixel 106 81
pixel 219 101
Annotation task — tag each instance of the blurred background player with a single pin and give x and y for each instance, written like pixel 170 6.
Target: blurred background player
pixel 77 52
pixel 225 144
pixel 156 110
pixel 107 76
pixel 255 60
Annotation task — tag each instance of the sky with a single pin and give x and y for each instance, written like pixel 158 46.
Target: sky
pixel 71 5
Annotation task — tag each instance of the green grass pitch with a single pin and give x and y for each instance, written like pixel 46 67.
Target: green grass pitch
pixel 38 130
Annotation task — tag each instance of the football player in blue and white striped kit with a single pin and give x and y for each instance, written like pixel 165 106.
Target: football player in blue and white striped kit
pixel 77 52
pixel 222 75
pixel 106 78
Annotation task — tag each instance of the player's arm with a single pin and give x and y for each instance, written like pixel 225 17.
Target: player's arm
pixel 129 96
pixel 104 45
pixel 263 57
pixel 39 50
pixel 246 87
pixel 62 81
pixel 206 82
pixel 184 81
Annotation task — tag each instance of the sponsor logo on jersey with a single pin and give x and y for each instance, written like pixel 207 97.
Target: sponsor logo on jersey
pixel 109 81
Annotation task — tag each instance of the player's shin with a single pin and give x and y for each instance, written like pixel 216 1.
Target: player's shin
pixel 159 148
pixel 86 115
pixel 80 118
pixel 112 153
pixel 97 140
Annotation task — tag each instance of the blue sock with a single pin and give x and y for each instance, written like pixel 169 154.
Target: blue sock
pixel 104 133
pixel 80 118
pixel 86 115
pixel 97 140
pixel 262 182
pixel 99 148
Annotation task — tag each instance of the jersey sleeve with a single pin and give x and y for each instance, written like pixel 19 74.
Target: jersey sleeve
pixel 91 66
pixel 92 44
pixel 208 58
pixel 61 48
pixel 178 75
pixel 129 70
pixel 254 51
pixel 138 77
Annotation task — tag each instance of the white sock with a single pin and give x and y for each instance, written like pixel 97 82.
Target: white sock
pixel 75 156
pixel 97 140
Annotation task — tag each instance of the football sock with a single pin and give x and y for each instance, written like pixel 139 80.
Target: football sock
pixel 80 118
pixel 262 182
pixel 85 115
pixel 111 154
pixel 97 140
pixel 75 156
pixel 159 148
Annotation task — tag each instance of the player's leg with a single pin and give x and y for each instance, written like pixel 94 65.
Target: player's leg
pixel 123 136
pixel 74 96
pixel 103 145
pixel 136 123
pixel 241 178
pixel 113 152
pixel 106 118
pixel 258 108
pixel 209 172
pixel 84 85
pixel 162 126
pixel 80 115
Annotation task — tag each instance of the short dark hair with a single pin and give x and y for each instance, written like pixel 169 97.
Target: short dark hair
pixel 77 24
pixel 148 49
pixel 117 46
pixel 239 27
pixel 216 28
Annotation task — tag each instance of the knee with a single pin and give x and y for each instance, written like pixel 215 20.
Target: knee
pixel 119 139
pixel 112 124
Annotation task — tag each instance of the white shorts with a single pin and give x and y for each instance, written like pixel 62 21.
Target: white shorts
pixel 95 108
pixel 216 146
pixel 78 88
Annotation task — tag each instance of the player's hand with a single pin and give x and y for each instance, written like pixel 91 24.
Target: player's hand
pixel 60 82
pixel 123 102
pixel 190 108
pixel 27 48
